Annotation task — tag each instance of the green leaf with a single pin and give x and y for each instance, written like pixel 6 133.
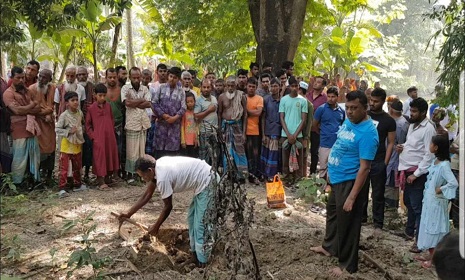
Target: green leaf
pixel 74 32
pixel 34 32
pixel 337 32
pixel 91 11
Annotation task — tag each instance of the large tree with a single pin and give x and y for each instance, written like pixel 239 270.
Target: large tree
pixel 278 28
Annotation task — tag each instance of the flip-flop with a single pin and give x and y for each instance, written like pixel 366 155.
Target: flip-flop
pixel 104 187
pixel 421 258
pixel 315 209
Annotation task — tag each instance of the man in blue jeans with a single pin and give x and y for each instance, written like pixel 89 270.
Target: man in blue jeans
pixel 414 160
pixel 348 168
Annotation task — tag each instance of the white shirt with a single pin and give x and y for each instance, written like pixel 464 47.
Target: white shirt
pixel 179 174
pixel 406 107
pixel 416 148
pixel 80 90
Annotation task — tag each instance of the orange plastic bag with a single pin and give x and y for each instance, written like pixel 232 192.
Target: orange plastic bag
pixel 275 195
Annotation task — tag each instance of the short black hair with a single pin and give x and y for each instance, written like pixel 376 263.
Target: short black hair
pixel 321 77
pixel 192 72
pixel 16 70
pixel 242 72
pixel 379 92
pixel 34 62
pixel 119 67
pixel 410 89
pixel 100 88
pixel 144 163
pixel 357 94
pixel 265 75
pixel 210 73
pixel 175 71
pixel 134 68
pixel 420 104
pixel 252 81
pixel 447 260
pixel 161 66
pixel 219 81
pixel 287 64
pixel 280 72
pixel 293 81
pixel 253 64
pixel 110 70
pixel 333 90
pixel 146 72
pixel 69 95
pixel 266 64
pixel 443 147
pixel 190 94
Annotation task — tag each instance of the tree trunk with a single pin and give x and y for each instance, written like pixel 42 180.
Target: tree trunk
pixel 94 58
pixel 114 45
pixel 130 50
pixel 67 59
pixel 278 28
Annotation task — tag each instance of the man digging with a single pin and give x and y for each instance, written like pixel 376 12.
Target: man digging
pixel 170 175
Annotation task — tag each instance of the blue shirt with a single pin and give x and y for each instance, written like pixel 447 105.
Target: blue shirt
pixel 272 121
pixel 330 120
pixel 354 142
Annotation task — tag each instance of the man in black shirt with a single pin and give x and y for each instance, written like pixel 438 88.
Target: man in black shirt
pixel 386 127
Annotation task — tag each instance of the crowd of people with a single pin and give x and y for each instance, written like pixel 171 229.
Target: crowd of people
pixel 270 121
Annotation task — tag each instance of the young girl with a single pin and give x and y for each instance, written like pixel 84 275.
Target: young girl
pixel 439 188
pixel 189 129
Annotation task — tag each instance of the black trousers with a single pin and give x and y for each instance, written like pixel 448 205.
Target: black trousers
pixel 377 178
pixel 343 228
pixel 413 200
pixel 253 149
pixel 314 146
pixel 190 151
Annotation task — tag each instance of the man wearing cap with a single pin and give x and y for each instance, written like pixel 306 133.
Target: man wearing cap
pixel 391 192
pixel 303 87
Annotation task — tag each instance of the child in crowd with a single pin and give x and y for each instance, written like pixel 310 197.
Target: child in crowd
pixel 440 187
pixel 100 129
pixel 69 127
pixel 189 129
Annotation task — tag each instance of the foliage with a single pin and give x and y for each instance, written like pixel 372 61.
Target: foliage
pixel 15 248
pixel 87 255
pixel 7 183
pixel 310 189
pixel 212 34
pixel 451 56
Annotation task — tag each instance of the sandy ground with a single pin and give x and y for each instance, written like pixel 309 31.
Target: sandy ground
pixel 282 243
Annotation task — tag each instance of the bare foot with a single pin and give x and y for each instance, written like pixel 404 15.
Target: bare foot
pixel 320 250
pixel 422 258
pixel 426 264
pixel 336 272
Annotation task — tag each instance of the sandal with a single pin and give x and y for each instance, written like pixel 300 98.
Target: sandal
pixel 414 249
pixel 315 209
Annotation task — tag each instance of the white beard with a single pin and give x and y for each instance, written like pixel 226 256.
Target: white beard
pixel 43 90
pixel 70 87
pixel 84 84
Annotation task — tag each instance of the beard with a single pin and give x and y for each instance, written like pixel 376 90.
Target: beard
pixel 71 86
pixel 42 88
pixel 84 84
pixel 20 87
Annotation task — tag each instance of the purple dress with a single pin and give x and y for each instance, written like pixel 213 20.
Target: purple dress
pixel 172 102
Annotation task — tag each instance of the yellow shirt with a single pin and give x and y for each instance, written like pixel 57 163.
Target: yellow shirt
pixel 197 91
pixel 70 148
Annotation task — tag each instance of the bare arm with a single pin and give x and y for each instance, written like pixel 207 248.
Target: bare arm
pixel 362 175
pixel 283 124
pixel 31 108
pixel 164 214
pixel 133 103
pixel 301 125
pixel 255 113
pixel 142 201
pixel 202 115
pixel 220 110
pixel 391 140
pixel 145 104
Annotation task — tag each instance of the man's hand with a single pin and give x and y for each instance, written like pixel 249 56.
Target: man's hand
pixel 411 178
pixel 153 230
pixel 183 145
pixel 399 148
pixel 171 120
pixel 264 140
pixel 348 204
pixel 165 117
pixel 291 139
pixel 123 216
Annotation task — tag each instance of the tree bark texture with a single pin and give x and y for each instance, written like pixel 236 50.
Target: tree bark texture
pixel 277 26
pixel 114 45
pixel 130 50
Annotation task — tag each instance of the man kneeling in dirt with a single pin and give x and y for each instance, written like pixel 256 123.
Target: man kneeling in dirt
pixel 170 175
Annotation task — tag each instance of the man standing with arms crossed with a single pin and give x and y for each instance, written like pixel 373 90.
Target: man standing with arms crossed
pixel 348 168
